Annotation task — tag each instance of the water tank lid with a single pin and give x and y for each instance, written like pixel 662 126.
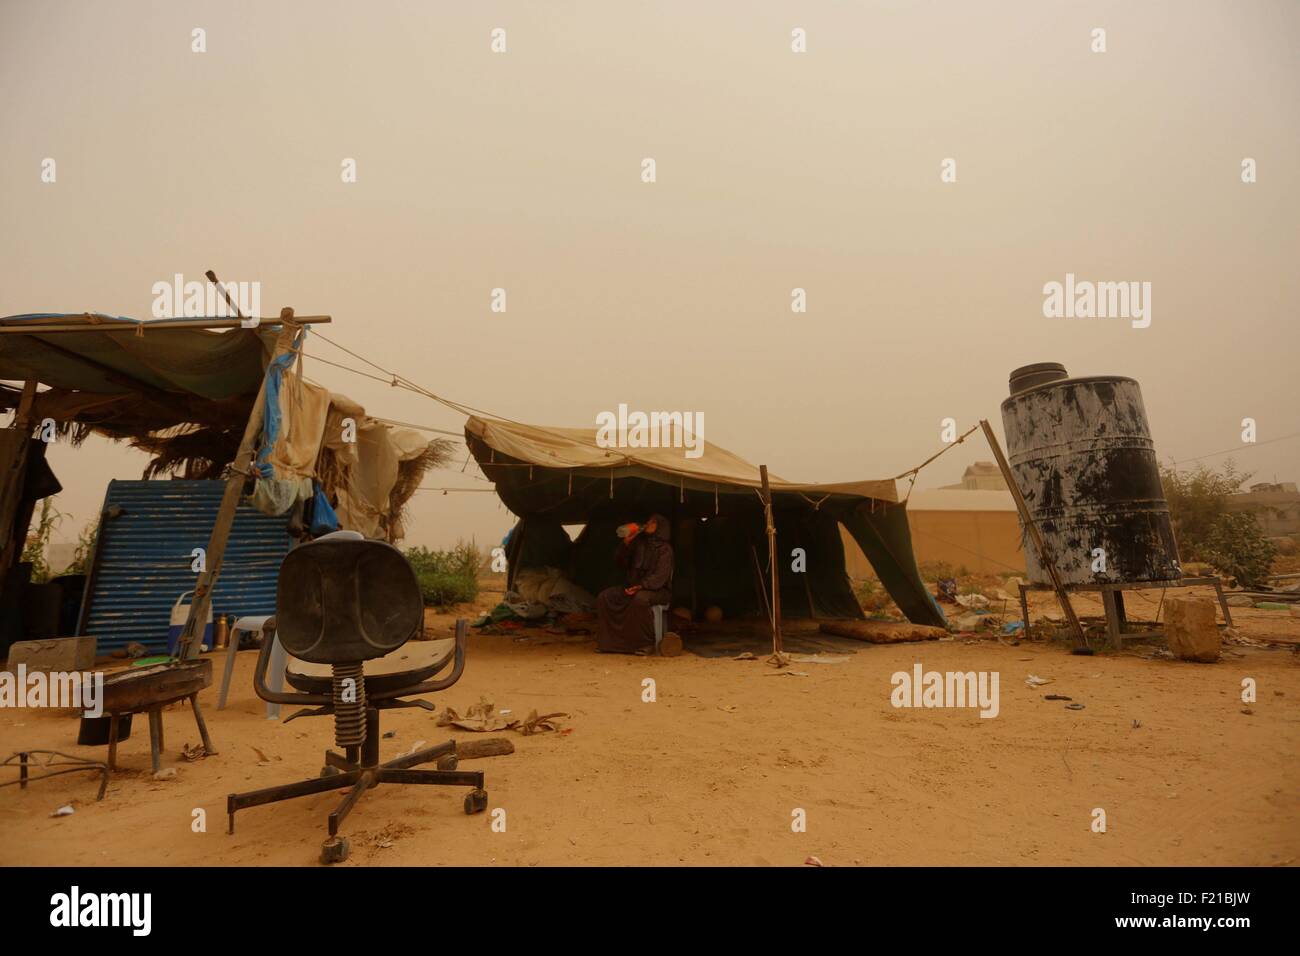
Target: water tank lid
pixel 1031 376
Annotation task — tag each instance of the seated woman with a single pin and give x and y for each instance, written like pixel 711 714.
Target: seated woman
pixel 625 621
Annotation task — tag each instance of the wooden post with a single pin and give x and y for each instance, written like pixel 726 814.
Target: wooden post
pixel 240 468
pixel 778 650
pixel 1044 555
pixel 23 415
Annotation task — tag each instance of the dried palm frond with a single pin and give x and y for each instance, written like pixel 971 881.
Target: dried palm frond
pixel 189 451
pixel 409 475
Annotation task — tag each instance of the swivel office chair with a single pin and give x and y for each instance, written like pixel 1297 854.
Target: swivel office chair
pixel 341 601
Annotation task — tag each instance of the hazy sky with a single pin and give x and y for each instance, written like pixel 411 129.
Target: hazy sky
pixel 775 170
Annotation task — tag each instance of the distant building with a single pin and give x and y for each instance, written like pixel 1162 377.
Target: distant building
pixel 1275 505
pixel 981 476
pixel 975 530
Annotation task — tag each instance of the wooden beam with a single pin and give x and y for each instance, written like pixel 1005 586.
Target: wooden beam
pixel 1044 553
pixel 156 325
pixel 23 414
pixel 240 468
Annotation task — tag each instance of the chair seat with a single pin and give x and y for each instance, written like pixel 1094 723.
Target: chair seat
pixel 412 663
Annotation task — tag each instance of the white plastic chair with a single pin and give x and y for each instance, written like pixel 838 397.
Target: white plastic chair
pixel 659 611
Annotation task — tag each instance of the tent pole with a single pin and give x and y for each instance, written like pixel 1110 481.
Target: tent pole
pixel 241 467
pixel 778 655
pixel 1080 639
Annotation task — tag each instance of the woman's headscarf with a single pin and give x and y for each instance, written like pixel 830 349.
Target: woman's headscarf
pixel 652 544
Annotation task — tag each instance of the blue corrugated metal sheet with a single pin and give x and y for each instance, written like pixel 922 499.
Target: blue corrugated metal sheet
pixel 144 560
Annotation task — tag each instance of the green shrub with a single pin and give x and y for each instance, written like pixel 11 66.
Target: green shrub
pixel 936 570
pixel 1232 542
pixel 1237 547
pixel 446 577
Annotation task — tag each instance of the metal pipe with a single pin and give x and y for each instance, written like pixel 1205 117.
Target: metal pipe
pixel 156 325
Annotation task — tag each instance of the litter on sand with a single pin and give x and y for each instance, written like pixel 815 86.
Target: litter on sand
pixel 819 658
pixel 1033 680
pixel 483 718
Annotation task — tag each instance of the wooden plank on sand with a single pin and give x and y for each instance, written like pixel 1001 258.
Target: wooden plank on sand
pixel 491 747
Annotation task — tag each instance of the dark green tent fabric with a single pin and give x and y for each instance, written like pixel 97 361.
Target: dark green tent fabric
pixel 718 535
pixel 886 540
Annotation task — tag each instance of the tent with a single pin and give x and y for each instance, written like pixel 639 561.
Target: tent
pixel 552 477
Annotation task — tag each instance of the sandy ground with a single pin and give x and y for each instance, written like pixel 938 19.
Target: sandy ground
pixel 711 772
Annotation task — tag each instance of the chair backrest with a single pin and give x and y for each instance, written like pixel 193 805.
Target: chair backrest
pixel 341 600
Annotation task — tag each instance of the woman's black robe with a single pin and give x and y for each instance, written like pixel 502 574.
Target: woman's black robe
pixel 625 623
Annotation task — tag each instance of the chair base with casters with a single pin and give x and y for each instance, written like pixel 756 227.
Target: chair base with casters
pixel 359 772
pixel 359 768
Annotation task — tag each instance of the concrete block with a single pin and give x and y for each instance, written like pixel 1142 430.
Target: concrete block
pixel 1191 631
pixel 54 654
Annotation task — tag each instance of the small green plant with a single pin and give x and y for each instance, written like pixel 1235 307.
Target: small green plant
pixel 936 570
pixel 446 577
pixel 873 598
pixel 38 540
pixel 85 548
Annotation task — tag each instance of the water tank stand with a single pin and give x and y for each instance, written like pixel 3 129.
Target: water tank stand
pixel 1112 601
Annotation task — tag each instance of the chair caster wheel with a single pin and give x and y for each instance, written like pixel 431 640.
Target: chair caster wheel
pixel 448 762
pixel 328 771
pixel 476 801
pixel 334 850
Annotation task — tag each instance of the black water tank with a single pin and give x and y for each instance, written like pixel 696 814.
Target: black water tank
pixel 1082 455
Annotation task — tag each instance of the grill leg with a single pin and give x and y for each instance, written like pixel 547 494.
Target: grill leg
pixel 203 727
pixel 112 741
pixel 155 738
